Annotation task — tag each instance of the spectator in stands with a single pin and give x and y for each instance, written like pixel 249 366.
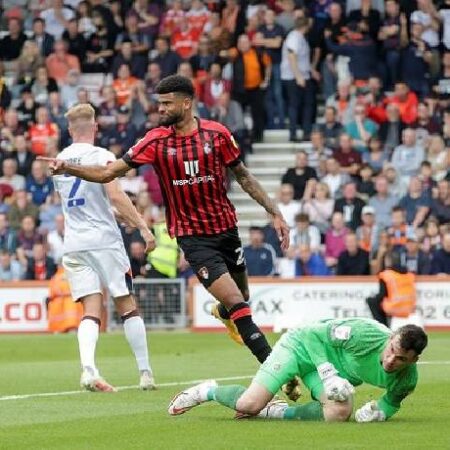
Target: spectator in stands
pixel 28 62
pixel 426 177
pixel 42 85
pixel 99 47
pixel 136 62
pixel 317 204
pixel 334 177
pixel 318 153
pixel 8 237
pixel 417 261
pixel 44 40
pixel 260 257
pixel 416 57
pixel 360 48
pixel 271 39
pixel 389 35
pixel 383 202
pixel 11 45
pixel 368 232
pixel 26 109
pixel 416 203
pixel 85 23
pixel 440 263
pixel 22 156
pixel 41 131
pixel 361 129
pixel 57 18
pixel 288 206
pixel 390 132
pixel 305 233
pixel 10 269
pixel 334 239
pixel 365 184
pixel 184 40
pixel 431 240
pixel 368 18
pixel 299 175
pixel 48 212
pixel 124 132
pixel 425 125
pixel 10 176
pixel 39 185
pixel 397 186
pixel 350 206
pixel 214 86
pixel 438 156
pixel 40 266
pixel 124 85
pixel 408 156
pixel 172 18
pixel 376 157
pixel 201 61
pixel 198 15
pixel 349 159
pixel 343 101
pixel 406 101
pixel 148 15
pixel 399 229
pixel 296 76
pixel 167 59
pixel 353 260
pixel 11 128
pixel 251 75
pixel 138 259
pixel 440 205
pixel 27 236
pixel 151 80
pixel 55 240
pixel 22 206
pixel 140 41
pixel 75 40
pixel 331 128
pixel 309 263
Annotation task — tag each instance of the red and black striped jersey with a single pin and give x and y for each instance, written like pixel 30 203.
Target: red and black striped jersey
pixel 191 171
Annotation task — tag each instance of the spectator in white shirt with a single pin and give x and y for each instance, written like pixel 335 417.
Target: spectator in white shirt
pixel 57 18
pixel 288 207
pixel 334 178
pixel 305 233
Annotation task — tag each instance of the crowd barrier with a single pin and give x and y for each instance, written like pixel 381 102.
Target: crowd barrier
pixel 275 303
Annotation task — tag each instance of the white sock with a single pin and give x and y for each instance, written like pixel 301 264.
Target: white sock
pixel 87 341
pixel 137 338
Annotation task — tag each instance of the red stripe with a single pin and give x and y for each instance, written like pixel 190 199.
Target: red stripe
pixel 241 313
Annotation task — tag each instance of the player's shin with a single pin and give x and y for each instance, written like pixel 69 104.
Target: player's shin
pixel 312 411
pixel 226 395
pixel 136 335
pixel 252 336
pixel 87 341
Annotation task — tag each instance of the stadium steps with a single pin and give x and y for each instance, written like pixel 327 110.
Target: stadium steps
pixel 268 162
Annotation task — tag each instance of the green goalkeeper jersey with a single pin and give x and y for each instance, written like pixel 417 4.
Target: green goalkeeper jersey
pixel 354 347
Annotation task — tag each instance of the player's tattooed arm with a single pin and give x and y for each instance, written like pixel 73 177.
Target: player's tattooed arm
pixel 97 174
pixel 251 185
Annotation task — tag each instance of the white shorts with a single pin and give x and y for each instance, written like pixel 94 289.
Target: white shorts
pixel 91 270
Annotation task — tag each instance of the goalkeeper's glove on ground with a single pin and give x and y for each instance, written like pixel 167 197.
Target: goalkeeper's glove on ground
pixel 336 388
pixel 370 413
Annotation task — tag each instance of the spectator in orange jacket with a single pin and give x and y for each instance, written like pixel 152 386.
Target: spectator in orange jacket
pixel 59 62
pixel 407 102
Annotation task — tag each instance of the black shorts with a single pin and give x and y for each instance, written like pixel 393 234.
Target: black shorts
pixel 210 256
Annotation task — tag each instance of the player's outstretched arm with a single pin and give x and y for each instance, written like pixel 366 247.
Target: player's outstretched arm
pixel 253 188
pixel 128 212
pixel 97 174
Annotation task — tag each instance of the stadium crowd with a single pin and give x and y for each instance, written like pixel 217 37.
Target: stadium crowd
pixel 367 82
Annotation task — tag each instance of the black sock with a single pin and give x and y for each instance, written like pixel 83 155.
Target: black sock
pixel 252 336
pixel 223 312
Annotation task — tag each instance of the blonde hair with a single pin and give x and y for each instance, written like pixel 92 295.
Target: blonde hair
pixel 80 115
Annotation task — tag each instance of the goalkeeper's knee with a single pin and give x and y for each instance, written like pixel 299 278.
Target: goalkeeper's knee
pixel 337 411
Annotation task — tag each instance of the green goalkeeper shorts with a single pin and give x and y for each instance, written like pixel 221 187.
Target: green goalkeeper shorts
pixel 283 364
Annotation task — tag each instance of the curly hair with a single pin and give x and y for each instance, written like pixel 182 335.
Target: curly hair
pixel 177 84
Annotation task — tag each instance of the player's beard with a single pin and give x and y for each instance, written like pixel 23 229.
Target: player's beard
pixel 171 119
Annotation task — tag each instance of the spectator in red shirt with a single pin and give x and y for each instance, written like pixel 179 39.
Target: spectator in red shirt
pixel 40 266
pixel 214 86
pixel 41 131
pixel 172 18
pixel 185 40
pixel 198 15
pixel 406 101
pixel 59 62
pixel 348 158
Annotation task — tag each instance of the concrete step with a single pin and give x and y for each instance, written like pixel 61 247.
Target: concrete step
pixel 271 185
pixel 242 198
pixel 280 147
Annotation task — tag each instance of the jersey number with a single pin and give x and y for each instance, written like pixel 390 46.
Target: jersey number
pixel 240 258
pixel 73 191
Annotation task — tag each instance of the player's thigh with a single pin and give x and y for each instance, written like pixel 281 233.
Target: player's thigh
pixel 232 251
pixel 113 267
pixel 92 305
pixel 82 277
pixel 280 367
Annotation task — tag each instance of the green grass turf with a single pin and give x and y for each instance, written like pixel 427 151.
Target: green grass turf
pixel 132 419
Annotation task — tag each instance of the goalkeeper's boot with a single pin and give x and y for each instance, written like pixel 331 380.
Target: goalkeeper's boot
pixel 273 410
pixel 292 389
pixel 92 381
pixel 194 396
pixel 147 382
pixel 231 327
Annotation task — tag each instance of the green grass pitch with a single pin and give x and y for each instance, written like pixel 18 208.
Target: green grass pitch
pixel 132 419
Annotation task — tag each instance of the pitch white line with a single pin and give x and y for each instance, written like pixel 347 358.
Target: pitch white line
pixel 171 384
pixel 119 388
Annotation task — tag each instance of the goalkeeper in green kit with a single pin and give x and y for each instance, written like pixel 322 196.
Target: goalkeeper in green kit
pixel 331 357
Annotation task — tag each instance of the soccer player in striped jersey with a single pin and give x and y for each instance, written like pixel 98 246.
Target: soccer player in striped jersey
pixel 190 156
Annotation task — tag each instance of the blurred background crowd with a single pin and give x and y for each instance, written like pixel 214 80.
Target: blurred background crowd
pixel 366 82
